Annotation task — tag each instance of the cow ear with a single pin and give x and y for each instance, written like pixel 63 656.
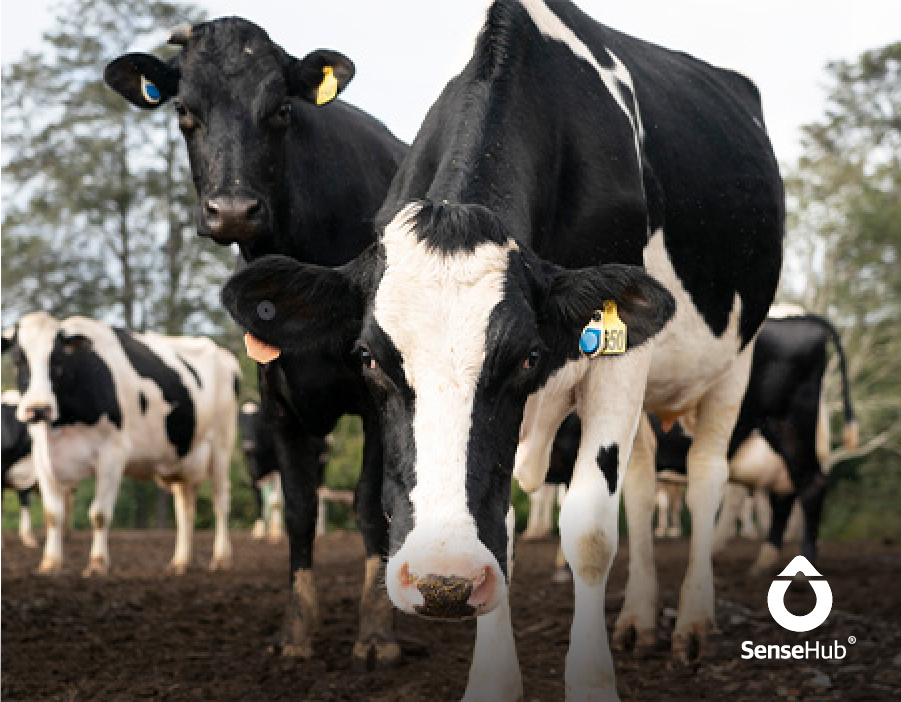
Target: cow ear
pixel 9 338
pixel 573 297
pixel 320 75
pixel 298 306
pixel 142 79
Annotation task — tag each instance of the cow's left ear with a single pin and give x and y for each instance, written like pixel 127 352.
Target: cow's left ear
pixel 142 79
pixel 9 338
pixel 574 296
pixel 320 75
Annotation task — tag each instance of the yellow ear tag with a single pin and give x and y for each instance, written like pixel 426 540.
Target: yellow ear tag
pixel 614 330
pixel 328 88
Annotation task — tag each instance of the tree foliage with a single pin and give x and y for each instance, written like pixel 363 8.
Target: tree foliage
pixel 844 202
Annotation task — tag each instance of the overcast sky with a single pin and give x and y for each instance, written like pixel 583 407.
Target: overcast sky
pixel 405 50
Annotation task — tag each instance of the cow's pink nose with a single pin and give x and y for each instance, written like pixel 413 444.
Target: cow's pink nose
pixel 449 596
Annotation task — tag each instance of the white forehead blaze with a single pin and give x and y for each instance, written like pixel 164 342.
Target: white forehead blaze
pixel 36 336
pixel 435 307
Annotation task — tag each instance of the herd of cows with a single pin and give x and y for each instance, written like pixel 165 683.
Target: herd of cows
pixel 585 223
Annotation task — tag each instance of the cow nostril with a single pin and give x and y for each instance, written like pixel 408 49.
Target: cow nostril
pixel 254 209
pixel 445 597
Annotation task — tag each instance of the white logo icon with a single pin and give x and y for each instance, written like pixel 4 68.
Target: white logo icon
pixel 776 598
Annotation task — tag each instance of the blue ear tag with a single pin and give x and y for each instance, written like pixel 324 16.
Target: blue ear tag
pixel 590 343
pixel 150 92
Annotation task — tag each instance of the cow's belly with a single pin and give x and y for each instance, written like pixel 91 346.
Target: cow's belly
pixel 688 358
pixel 756 465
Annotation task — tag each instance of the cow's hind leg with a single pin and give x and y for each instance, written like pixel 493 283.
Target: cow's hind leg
pixel 184 495
pixel 222 548
pixel 708 472
pixel 376 646
pixel 26 534
pixel 636 626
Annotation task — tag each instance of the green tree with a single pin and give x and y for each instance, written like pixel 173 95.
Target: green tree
pixel 844 203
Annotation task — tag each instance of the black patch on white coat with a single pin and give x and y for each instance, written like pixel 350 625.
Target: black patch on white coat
pixel 142 402
pixel 180 422
pixel 608 462
pixel 191 369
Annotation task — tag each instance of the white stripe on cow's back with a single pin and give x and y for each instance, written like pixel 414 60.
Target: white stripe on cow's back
pixel 435 307
pixel 552 26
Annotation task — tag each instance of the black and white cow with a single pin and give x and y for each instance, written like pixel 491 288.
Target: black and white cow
pixel 18 468
pixel 280 167
pixel 105 402
pixel 262 470
pixel 561 144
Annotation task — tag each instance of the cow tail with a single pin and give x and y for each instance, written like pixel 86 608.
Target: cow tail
pixel 851 433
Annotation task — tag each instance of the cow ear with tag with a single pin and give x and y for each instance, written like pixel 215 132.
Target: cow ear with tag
pixel 605 310
pixel 142 79
pixel 320 76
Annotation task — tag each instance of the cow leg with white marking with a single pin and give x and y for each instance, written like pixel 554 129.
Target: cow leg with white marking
pixel 26 534
pixel 109 475
pixel 734 499
pixel 184 494
pixel 541 513
pixel 494 673
pixel 609 404
pixel 276 504
pixel 708 472
pixel 375 646
pixel 636 625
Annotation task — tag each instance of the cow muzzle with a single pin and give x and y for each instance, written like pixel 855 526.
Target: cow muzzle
pixel 449 586
pixel 233 219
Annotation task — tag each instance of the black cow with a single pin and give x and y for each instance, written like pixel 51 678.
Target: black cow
pixel 561 144
pixel 18 468
pixel 277 173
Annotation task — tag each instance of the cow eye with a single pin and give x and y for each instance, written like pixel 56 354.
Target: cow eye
pixel 282 116
pixel 186 119
pixel 531 360
pixel 367 360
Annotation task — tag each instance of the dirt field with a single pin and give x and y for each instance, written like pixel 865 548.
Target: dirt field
pixel 140 635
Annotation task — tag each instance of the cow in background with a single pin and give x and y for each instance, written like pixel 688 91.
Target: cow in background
pixel 105 402
pixel 262 470
pixel 18 468
pixel 282 167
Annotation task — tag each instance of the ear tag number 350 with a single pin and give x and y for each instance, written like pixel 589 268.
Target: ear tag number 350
pixel 604 334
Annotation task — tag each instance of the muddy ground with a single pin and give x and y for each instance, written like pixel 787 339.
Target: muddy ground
pixel 141 635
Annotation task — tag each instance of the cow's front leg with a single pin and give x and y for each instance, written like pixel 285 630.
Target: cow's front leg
pixel 109 475
pixel 184 496
pixel 375 646
pixel 26 534
pixel 609 403
pixel 297 455
pixel 494 674
pixel 222 548
pixel 708 472
pixel 636 626
pixel 53 498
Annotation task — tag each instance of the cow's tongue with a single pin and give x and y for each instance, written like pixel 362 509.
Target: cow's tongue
pixel 260 351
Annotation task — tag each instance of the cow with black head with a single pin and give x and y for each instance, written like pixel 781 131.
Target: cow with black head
pixel 282 167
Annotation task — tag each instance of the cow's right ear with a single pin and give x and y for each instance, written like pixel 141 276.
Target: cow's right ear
pixel 299 306
pixel 9 338
pixel 142 79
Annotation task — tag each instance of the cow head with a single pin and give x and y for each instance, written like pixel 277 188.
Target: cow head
pixel 236 94
pixel 455 324
pixel 49 365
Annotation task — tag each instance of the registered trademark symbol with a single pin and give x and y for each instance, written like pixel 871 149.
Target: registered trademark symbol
pixel 852 639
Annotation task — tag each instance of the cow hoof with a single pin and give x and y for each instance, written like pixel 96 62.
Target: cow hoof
pixel 375 654
pixel 221 564
pixel 49 567
pixel 688 647
pixel 302 651
pixel 641 642
pixel 96 567
pixel 29 541
pixel 176 568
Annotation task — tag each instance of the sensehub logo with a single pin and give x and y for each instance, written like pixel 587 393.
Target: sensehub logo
pixel 798 623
